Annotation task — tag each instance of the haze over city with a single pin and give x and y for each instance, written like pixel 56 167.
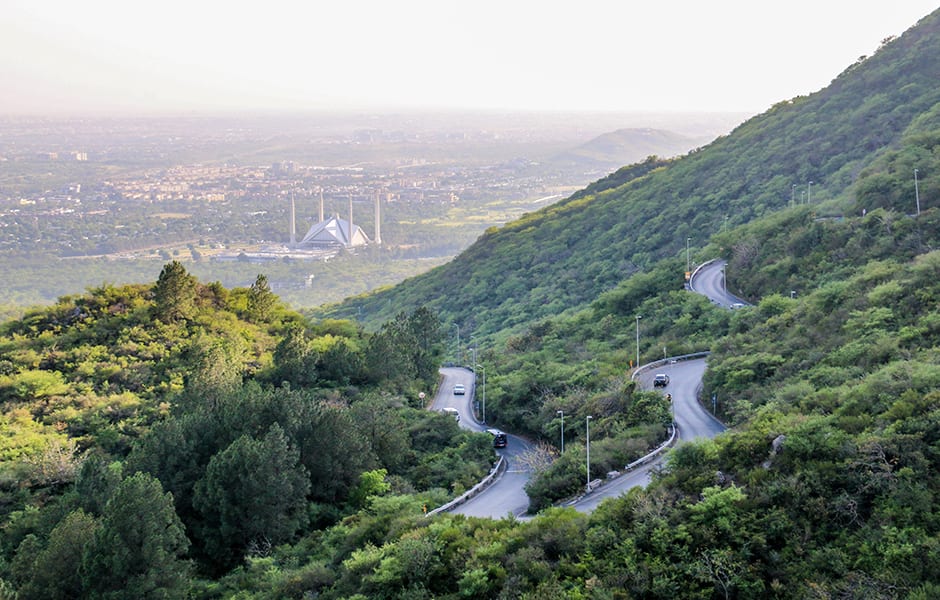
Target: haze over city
pixel 118 57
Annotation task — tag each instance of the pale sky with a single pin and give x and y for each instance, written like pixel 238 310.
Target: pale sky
pixel 74 56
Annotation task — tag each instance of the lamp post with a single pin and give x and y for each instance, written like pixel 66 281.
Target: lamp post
pixel 458 343
pixel 562 413
pixel 587 428
pixel 688 260
pixel 916 193
pixel 809 193
pixel 484 394
pixel 638 317
pixel 793 195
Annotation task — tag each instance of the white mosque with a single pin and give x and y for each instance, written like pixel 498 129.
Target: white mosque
pixel 333 232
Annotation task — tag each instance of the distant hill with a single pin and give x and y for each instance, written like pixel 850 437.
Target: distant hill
pixel 626 146
pixel 563 256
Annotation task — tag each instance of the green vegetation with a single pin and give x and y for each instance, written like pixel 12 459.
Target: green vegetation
pixel 295 461
pixel 564 256
pixel 156 432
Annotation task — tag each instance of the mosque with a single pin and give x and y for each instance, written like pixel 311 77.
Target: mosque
pixel 324 240
pixel 334 232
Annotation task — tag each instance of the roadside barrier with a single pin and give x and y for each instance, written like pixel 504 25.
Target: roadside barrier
pixel 668 361
pixel 484 483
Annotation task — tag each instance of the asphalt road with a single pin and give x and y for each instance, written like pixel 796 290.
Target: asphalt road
pixel 710 281
pixel 507 494
pixel 694 422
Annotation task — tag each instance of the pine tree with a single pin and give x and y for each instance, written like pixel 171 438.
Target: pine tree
pixel 175 294
pixel 137 550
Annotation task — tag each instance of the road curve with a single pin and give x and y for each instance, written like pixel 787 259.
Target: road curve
pixel 709 280
pixel 507 494
pixel 693 422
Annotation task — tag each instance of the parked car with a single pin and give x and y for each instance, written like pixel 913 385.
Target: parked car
pixel 459 390
pixel 661 380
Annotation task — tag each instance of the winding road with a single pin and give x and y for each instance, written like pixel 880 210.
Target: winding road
pixel 709 280
pixel 506 495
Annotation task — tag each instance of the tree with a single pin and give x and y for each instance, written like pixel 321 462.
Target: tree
pixel 294 360
pixel 137 551
pixel 97 480
pixel 217 365
pixel 261 300
pixel 252 497
pixel 55 571
pixel 175 294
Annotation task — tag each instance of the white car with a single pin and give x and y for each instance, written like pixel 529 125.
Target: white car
pixel 459 390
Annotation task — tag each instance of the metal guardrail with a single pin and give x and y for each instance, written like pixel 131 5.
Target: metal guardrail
pixel 651 455
pixel 667 361
pixel 697 269
pixel 673 436
pixel 484 483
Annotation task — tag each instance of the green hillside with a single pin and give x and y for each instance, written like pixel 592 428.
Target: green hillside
pixel 180 440
pixel 562 257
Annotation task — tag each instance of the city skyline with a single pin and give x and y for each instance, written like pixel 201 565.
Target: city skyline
pixel 115 57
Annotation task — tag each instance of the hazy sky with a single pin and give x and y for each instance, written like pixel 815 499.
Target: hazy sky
pixel 198 55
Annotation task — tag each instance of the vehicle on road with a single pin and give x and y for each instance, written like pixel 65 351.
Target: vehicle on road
pixel 459 390
pixel 661 380
pixel 499 438
pixel 452 412
pixel 736 305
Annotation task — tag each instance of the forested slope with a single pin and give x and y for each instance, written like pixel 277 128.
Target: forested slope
pixel 150 433
pixel 181 440
pixel 565 255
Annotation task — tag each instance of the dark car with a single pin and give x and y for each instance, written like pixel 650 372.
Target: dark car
pixel 661 380
pixel 499 438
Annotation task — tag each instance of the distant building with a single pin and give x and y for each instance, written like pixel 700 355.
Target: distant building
pixel 334 233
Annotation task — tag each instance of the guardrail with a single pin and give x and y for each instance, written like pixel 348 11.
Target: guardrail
pixel 642 461
pixel 697 269
pixel 673 436
pixel 668 361
pixel 484 483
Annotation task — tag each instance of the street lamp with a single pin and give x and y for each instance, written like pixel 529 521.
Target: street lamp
pixel 809 193
pixel 793 195
pixel 916 193
pixel 638 317
pixel 562 413
pixel 587 427
pixel 458 343
pixel 484 396
pixel 688 260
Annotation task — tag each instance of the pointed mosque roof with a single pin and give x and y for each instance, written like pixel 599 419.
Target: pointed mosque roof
pixel 335 232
